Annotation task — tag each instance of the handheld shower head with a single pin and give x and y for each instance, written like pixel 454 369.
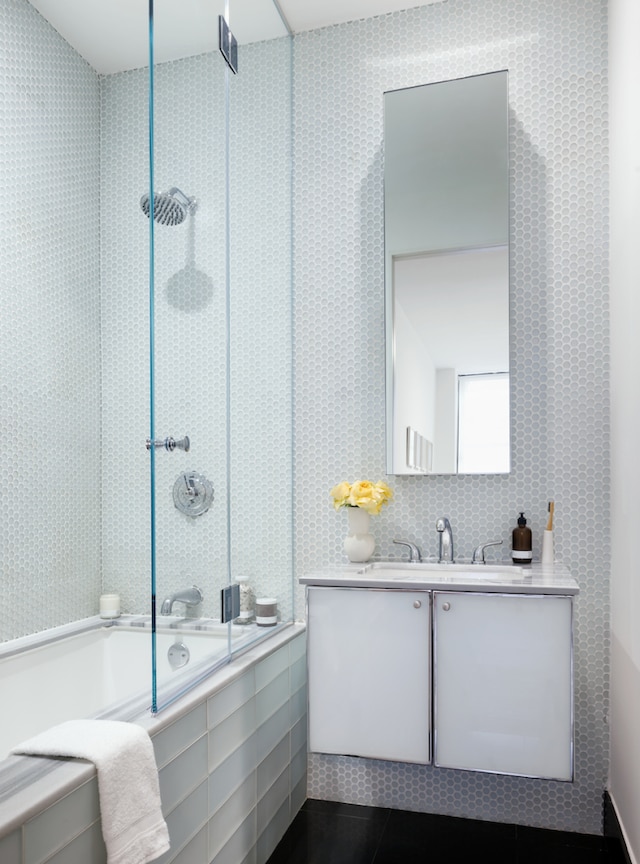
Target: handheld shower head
pixel 169 208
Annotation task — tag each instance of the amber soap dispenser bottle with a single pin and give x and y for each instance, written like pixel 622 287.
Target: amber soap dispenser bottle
pixel 521 547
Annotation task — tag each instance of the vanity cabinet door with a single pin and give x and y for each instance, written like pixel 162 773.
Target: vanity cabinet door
pixel 369 673
pixel 503 684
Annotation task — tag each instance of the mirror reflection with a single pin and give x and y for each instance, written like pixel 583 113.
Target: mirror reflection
pixel 447 277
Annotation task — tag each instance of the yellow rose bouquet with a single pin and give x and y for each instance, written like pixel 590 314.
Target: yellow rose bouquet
pixel 364 494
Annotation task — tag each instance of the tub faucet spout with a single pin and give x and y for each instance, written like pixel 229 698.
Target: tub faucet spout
pixel 189 596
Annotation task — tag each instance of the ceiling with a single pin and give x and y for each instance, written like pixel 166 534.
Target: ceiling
pixel 113 36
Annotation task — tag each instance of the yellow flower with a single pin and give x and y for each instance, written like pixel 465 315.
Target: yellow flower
pixel 384 490
pixel 340 493
pixel 363 493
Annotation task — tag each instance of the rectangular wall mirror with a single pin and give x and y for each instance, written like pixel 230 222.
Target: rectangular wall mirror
pixel 446 178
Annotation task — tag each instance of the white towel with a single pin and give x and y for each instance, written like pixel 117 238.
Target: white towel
pixel 133 828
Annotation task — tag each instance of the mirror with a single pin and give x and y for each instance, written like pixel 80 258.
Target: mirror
pixel 447 277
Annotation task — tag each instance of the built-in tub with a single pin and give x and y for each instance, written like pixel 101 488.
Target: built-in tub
pixel 231 755
pixel 98 669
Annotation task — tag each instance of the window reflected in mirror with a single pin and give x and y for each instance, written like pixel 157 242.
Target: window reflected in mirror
pixel 483 423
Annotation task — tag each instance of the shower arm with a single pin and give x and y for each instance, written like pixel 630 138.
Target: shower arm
pixel 178 194
pixel 170 444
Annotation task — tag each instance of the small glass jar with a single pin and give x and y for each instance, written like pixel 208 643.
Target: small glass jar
pixel 247 602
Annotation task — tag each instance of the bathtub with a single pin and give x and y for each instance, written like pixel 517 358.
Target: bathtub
pixel 97 669
pixel 231 752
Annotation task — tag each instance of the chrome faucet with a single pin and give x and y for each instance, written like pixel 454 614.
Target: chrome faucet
pixel 415 555
pixel 189 596
pixel 478 552
pixel 445 541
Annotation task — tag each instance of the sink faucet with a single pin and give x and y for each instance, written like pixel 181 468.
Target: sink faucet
pixel 188 596
pixel 445 541
pixel 478 552
pixel 414 552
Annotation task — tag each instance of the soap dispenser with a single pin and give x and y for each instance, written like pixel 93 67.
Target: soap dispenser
pixel 521 548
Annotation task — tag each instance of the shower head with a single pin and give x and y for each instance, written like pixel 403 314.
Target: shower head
pixel 169 208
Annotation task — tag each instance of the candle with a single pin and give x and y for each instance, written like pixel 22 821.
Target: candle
pixel 110 606
pixel 266 611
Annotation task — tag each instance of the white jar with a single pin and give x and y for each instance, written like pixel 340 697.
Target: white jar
pixel 266 611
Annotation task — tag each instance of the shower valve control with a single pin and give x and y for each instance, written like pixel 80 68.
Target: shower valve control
pixel 192 493
pixel 170 444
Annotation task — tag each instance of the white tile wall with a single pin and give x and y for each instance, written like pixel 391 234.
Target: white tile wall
pixel 74 365
pixel 11 848
pixel 226 821
pixel 183 774
pixel 49 327
pixel 227 736
pixel 556 54
pixel 180 735
pixel 191 312
pixel 54 828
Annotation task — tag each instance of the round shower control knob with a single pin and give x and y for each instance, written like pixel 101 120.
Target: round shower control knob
pixel 192 493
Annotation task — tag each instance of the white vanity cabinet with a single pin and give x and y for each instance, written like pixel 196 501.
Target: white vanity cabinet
pixel 503 683
pixel 369 664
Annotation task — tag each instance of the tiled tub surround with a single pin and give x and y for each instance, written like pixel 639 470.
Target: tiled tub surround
pixel 94 668
pixel 189 150
pixel 74 261
pixel 232 761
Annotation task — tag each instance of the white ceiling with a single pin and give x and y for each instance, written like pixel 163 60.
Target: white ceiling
pixel 113 36
pixel 311 14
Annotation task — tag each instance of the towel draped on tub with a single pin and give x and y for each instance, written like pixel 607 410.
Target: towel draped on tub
pixel 133 827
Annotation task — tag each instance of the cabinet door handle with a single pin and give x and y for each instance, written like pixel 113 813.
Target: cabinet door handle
pixel 446 606
pixel 417 604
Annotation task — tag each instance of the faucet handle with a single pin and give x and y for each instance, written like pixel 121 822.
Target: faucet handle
pixel 415 554
pixel 478 552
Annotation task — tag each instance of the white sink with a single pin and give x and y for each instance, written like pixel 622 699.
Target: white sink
pixel 405 570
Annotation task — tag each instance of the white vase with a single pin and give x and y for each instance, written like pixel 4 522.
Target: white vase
pixel 358 544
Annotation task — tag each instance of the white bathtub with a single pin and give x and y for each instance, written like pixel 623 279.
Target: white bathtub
pixel 91 669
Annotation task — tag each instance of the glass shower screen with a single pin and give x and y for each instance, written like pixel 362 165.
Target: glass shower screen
pixel 216 201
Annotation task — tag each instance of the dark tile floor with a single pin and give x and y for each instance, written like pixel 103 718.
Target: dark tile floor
pixel 326 832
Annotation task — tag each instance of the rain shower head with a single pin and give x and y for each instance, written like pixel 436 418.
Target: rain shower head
pixel 169 208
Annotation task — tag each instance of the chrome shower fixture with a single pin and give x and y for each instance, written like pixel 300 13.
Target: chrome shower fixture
pixel 170 444
pixel 169 208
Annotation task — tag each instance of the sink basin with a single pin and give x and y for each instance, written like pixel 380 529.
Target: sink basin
pixel 405 570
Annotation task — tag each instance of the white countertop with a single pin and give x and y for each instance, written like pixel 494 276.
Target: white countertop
pixel 535 578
